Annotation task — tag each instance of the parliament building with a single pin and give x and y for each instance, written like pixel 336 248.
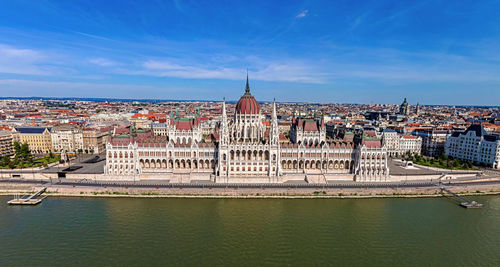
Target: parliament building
pixel 244 150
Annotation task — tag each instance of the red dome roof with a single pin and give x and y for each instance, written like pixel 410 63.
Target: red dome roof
pixel 247 103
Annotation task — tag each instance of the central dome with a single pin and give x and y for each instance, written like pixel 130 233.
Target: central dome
pixel 247 103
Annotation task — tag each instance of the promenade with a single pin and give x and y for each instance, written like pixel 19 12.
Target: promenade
pixel 69 187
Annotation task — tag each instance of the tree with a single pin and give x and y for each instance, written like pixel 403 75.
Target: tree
pixel 469 165
pixel 5 161
pixel 17 147
pixel 25 152
pixel 12 164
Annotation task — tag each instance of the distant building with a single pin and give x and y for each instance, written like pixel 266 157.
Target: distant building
pixel 94 140
pixel 6 148
pixel 284 127
pixel 377 115
pixel 390 140
pixel 67 138
pixel 474 145
pixel 404 109
pixel 410 144
pixel 398 144
pixel 37 138
pixel 433 141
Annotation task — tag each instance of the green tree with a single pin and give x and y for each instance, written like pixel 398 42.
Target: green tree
pixel 468 165
pixel 5 161
pixel 12 164
pixel 17 147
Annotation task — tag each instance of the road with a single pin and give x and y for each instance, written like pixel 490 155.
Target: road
pixel 166 184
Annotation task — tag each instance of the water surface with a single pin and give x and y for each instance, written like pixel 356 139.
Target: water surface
pixel 255 232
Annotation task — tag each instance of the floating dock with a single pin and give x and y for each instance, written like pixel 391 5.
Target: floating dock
pixel 463 202
pixel 28 200
pixel 471 205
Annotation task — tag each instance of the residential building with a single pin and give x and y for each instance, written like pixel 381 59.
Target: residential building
pixel 390 140
pixel 38 138
pixel 94 140
pixel 401 144
pixel 6 143
pixel 67 138
pixel 433 141
pixel 474 145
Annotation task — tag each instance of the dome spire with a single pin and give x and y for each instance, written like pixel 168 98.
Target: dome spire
pixel 247 89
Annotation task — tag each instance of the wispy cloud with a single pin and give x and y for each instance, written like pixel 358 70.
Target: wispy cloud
pixel 23 61
pixel 280 71
pixel 93 36
pixel 103 62
pixel 302 14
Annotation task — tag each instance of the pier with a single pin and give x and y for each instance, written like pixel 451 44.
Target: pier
pixel 463 202
pixel 28 199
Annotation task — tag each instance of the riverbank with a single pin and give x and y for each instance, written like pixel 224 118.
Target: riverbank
pixel 417 192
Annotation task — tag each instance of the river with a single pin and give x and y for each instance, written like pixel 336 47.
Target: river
pixel 250 232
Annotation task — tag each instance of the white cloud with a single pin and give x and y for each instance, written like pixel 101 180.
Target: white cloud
pixel 302 14
pixel 23 61
pixel 270 71
pixel 102 62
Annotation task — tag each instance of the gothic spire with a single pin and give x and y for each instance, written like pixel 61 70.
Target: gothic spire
pixel 274 108
pixel 224 108
pixel 247 89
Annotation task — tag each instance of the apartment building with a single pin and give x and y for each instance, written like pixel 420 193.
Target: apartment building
pixel 67 138
pixel 474 145
pixel 6 147
pixel 37 138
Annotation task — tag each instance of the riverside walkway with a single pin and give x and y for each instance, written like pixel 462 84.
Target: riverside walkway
pixel 209 185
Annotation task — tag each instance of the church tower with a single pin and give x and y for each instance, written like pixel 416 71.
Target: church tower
pixel 404 109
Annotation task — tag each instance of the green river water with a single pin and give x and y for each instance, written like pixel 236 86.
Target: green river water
pixel 249 232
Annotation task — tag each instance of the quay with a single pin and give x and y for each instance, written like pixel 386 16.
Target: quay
pixel 463 202
pixel 28 200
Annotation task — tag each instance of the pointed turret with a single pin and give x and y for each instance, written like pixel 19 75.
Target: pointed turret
pixel 247 89
pixel 224 116
pixel 274 126
pixel 274 110
pixel 224 129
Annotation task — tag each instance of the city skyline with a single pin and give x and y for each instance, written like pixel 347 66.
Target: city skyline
pixel 370 53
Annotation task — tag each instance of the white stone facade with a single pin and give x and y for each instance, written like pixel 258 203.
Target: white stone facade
pixel 371 163
pixel 474 145
pixel 246 151
pixel 397 144
pixel 67 139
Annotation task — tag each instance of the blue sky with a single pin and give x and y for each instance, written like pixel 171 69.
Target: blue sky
pixel 432 52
